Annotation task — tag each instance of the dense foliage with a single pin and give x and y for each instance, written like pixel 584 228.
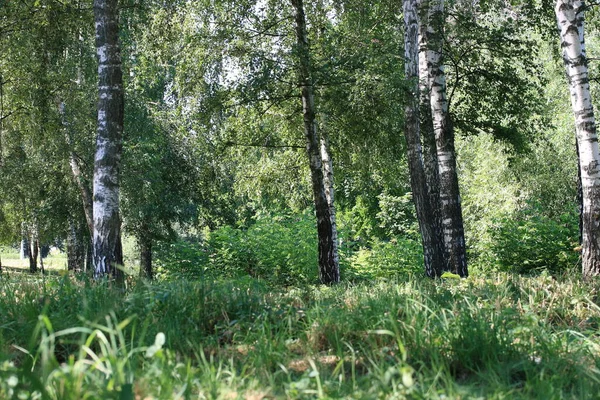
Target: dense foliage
pixel 213 141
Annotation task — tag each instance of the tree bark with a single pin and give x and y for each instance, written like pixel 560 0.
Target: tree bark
pixel 579 194
pixel 329 270
pixel 35 248
pixel 41 254
pixel 24 248
pixel 432 248
pixel 451 210
pixel 33 251
pixel 107 254
pixel 33 254
pixel 430 159
pixel 329 188
pixel 570 18
pixel 145 244
pixel 89 257
pixel 78 175
pixel 75 247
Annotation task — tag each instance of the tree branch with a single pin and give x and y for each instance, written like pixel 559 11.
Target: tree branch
pixel 230 143
pixel 3 117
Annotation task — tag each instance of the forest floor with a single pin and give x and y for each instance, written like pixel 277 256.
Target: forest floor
pixel 56 260
pixel 501 336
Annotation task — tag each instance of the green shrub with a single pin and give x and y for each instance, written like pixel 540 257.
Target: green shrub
pixel 531 242
pixel 183 258
pixel 386 259
pixel 397 216
pixel 281 249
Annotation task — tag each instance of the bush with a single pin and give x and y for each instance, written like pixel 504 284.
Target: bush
pixel 387 259
pixel 397 216
pixel 531 242
pixel 183 259
pixel 281 249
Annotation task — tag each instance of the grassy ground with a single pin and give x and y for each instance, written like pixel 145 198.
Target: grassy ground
pixel 10 259
pixel 505 337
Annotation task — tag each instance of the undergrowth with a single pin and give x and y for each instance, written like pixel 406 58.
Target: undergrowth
pixel 500 337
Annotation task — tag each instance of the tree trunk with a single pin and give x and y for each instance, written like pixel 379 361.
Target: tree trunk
pixel 451 211
pixel 86 193
pixel 145 244
pixel 329 188
pixel 579 194
pixel 71 247
pixel 430 159
pixel 107 255
pixel 329 270
pixel 570 17
pixel 432 248
pixel 33 259
pixel 75 247
pixel 33 253
pixel 24 248
pixel 89 257
pixel 34 243
pixel 41 254
pixel 78 176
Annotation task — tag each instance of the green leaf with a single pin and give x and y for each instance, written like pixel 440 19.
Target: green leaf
pixel 450 275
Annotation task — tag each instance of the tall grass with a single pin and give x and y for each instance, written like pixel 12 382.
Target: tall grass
pixel 503 337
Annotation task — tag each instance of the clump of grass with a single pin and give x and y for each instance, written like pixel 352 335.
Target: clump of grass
pixel 506 336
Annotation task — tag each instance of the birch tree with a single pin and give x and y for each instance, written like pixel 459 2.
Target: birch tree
pixel 107 253
pixel 570 18
pixel 329 270
pixel 327 161
pixel 430 158
pixel 450 207
pixel 432 248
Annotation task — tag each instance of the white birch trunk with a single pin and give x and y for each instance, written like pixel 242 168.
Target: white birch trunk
pixel 107 223
pixel 451 211
pixel 34 247
pixel 41 254
pixel 425 117
pixel 430 159
pixel 329 189
pixel 432 248
pixel 570 18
